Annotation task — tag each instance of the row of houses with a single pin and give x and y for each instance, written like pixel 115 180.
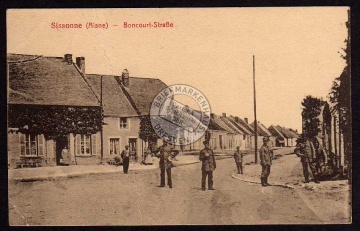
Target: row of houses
pixel 228 132
pixel 54 104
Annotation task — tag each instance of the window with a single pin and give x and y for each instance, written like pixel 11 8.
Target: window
pixel 83 144
pixel 31 145
pixel 124 123
pixel 114 146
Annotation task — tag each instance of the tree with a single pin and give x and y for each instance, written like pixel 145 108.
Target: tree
pixel 310 116
pixel 146 131
pixel 340 96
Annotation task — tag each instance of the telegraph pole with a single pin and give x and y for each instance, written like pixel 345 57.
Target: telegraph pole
pixel 255 122
pixel 102 119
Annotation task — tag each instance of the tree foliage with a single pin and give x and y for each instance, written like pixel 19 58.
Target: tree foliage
pixel 340 96
pixel 146 131
pixel 310 116
pixel 54 121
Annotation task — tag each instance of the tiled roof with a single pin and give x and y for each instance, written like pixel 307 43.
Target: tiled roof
pixel 223 125
pixel 143 92
pixel 258 130
pixel 276 132
pixel 284 131
pixel 115 103
pixel 240 126
pixel 292 133
pixel 262 130
pixel 215 126
pixel 231 125
pixel 47 81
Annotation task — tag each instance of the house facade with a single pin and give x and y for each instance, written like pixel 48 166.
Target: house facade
pixel 279 137
pixel 247 134
pixel 238 138
pixel 125 101
pixel 50 108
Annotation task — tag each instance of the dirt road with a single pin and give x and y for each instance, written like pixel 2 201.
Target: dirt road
pixel 136 199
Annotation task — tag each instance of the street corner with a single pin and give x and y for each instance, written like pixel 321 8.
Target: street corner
pixel 245 178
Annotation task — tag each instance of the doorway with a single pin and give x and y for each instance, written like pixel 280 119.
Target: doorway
pixel 220 141
pixel 61 143
pixel 132 149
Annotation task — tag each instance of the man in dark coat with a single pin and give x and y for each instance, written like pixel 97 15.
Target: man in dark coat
pixel 238 156
pixel 165 164
pixel 265 160
pixel 208 166
pixel 125 156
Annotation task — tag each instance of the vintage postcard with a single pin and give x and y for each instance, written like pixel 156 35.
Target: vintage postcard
pixel 179 116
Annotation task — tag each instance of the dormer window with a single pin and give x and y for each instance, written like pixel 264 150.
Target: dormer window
pixel 124 122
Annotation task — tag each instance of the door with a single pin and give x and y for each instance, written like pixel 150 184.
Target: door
pixel 220 142
pixel 61 143
pixel 133 149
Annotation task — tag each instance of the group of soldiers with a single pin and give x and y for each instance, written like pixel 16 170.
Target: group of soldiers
pixel 305 150
pixel 208 165
pixel 310 155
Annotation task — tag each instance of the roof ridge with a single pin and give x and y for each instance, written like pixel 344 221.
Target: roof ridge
pixel 144 78
pixel 27 60
pixel 83 76
pixel 127 95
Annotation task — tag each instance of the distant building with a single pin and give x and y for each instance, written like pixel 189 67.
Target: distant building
pixel 248 135
pixel 279 137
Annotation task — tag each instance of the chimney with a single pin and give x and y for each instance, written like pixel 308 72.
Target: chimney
pixel 237 119
pixel 125 78
pixel 212 115
pixel 224 114
pixel 246 120
pixel 68 58
pixel 80 62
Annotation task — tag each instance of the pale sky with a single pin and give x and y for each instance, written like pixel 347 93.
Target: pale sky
pixel 297 51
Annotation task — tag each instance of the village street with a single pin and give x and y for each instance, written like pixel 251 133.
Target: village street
pixel 136 199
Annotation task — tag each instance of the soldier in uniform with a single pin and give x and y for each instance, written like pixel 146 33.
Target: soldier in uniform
pixel 265 160
pixel 125 156
pixel 238 156
pixel 208 166
pixel 309 159
pixel 165 164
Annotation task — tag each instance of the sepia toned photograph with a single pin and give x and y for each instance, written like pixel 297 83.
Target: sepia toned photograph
pixel 179 116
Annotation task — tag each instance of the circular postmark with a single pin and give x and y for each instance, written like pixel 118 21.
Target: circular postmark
pixel 175 122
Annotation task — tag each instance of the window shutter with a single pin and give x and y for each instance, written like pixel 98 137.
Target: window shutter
pixel 40 139
pixel 77 144
pixel 22 144
pixel 93 144
pixel 98 144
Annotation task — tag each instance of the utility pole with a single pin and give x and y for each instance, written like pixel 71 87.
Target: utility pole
pixel 255 122
pixel 102 120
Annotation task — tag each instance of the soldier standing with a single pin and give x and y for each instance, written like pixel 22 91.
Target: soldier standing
pixel 238 156
pixel 208 166
pixel 265 160
pixel 125 156
pixel 309 159
pixel 165 164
